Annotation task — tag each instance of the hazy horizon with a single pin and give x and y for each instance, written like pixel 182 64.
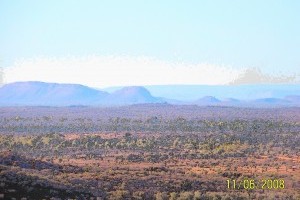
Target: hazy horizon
pixel 39 93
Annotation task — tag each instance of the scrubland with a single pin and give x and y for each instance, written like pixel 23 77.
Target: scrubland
pixel 148 152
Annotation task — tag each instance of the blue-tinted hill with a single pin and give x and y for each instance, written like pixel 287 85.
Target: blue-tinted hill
pixel 54 94
pixel 241 92
pixel 40 93
pixel 131 95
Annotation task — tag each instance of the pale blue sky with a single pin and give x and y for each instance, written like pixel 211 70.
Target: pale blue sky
pixel 263 34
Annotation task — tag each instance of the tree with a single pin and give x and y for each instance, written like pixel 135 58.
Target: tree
pixel 161 196
pixel 197 195
pixel 186 196
pixel 173 196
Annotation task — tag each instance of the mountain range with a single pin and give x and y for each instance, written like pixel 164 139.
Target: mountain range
pixel 241 92
pixel 34 93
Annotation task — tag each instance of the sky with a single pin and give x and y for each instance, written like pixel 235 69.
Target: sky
pixel 134 42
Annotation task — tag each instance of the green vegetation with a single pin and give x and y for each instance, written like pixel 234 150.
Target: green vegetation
pixel 152 157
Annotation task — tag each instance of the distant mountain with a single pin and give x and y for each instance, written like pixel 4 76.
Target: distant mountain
pixel 230 100
pixel 34 93
pixel 263 102
pixel 49 94
pixel 241 92
pixel 132 95
pixel 207 100
pixel 270 100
